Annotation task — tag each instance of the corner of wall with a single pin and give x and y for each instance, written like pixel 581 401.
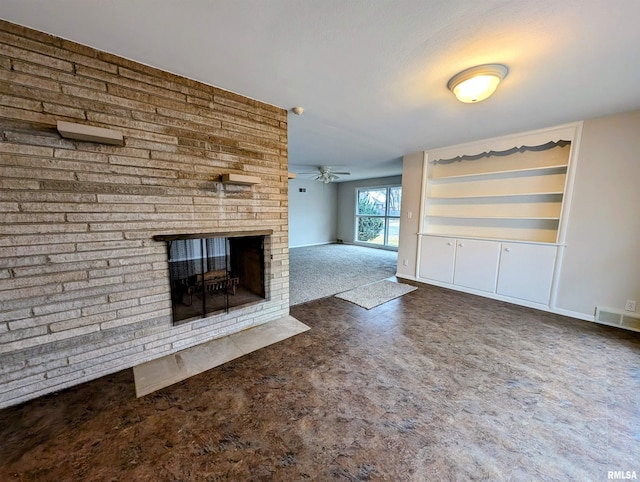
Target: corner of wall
pixel 412 175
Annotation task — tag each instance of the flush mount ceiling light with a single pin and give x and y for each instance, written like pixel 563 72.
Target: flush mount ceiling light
pixel 477 83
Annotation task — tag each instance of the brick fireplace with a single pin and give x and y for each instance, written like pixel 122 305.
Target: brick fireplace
pixel 84 286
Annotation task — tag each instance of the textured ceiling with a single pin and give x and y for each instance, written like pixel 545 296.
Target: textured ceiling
pixel 372 75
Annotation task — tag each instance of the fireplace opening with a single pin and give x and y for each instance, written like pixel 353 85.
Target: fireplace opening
pixel 214 274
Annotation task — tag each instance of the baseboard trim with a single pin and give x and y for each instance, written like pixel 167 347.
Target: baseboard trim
pixel 513 301
pixel 574 314
pixel 370 245
pixel 312 244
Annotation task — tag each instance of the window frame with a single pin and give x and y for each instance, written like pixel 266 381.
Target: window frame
pixel 386 216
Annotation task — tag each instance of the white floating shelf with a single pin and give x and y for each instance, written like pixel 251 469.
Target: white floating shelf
pixel 513 194
pixel 513 218
pixel 239 179
pixel 505 172
pixel 82 132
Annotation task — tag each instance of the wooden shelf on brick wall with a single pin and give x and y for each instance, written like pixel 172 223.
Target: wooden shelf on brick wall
pixel 222 234
pixel 83 132
pixel 240 179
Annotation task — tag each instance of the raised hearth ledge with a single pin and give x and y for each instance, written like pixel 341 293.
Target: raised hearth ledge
pixel 232 234
pixel 174 368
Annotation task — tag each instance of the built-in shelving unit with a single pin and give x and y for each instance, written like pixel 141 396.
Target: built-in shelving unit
pixel 514 192
pixel 493 215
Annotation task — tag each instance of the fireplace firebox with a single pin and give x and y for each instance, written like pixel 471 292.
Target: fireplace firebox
pixel 214 272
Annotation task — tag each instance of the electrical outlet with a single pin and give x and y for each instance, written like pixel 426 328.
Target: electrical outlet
pixel 405 262
pixel 630 305
pixel 409 215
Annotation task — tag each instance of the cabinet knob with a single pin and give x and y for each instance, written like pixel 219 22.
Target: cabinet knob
pixel 507 249
pixel 461 245
pixel 449 243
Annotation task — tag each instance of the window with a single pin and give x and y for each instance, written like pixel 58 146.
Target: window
pixel 378 215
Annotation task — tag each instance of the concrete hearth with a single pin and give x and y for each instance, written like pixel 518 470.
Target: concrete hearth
pixel 174 368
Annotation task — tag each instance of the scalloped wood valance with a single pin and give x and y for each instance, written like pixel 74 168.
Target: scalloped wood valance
pixel 507 152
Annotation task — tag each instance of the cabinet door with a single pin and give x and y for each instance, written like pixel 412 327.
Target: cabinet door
pixel 526 271
pixel 476 264
pixel 436 258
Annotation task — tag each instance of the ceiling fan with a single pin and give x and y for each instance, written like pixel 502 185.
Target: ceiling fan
pixel 325 174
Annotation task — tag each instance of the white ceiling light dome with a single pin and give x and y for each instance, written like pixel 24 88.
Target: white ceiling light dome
pixel 477 83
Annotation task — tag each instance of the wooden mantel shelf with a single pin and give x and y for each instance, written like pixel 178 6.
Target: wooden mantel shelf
pixel 240 179
pixel 87 133
pixel 230 234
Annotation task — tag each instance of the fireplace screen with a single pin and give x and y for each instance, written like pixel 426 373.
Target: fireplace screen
pixel 213 275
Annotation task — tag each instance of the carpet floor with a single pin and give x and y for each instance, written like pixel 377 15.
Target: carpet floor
pixel 324 270
pixel 434 385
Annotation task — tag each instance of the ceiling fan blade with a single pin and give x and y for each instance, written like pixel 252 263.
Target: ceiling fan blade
pixel 324 174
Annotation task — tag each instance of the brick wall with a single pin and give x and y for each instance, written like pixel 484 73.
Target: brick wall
pixel 83 287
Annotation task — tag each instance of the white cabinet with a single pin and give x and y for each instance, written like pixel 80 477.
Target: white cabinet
pixel 437 258
pixel 526 271
pixel 513 270
pixel 476 264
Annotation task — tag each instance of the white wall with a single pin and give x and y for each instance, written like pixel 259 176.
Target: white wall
pixel 601 264
pixel 347 204
pixel 411 193
pixel 312 214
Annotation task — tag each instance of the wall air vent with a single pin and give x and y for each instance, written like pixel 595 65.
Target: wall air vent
pixel 620 318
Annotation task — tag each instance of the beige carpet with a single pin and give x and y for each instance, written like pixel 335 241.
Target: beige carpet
pixel 375 294
pixel 320 271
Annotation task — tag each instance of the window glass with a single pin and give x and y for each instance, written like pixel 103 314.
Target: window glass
pixel 395 198
pixel 372 201
pixel 378 215
pixel 393 232
pixel 371 230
